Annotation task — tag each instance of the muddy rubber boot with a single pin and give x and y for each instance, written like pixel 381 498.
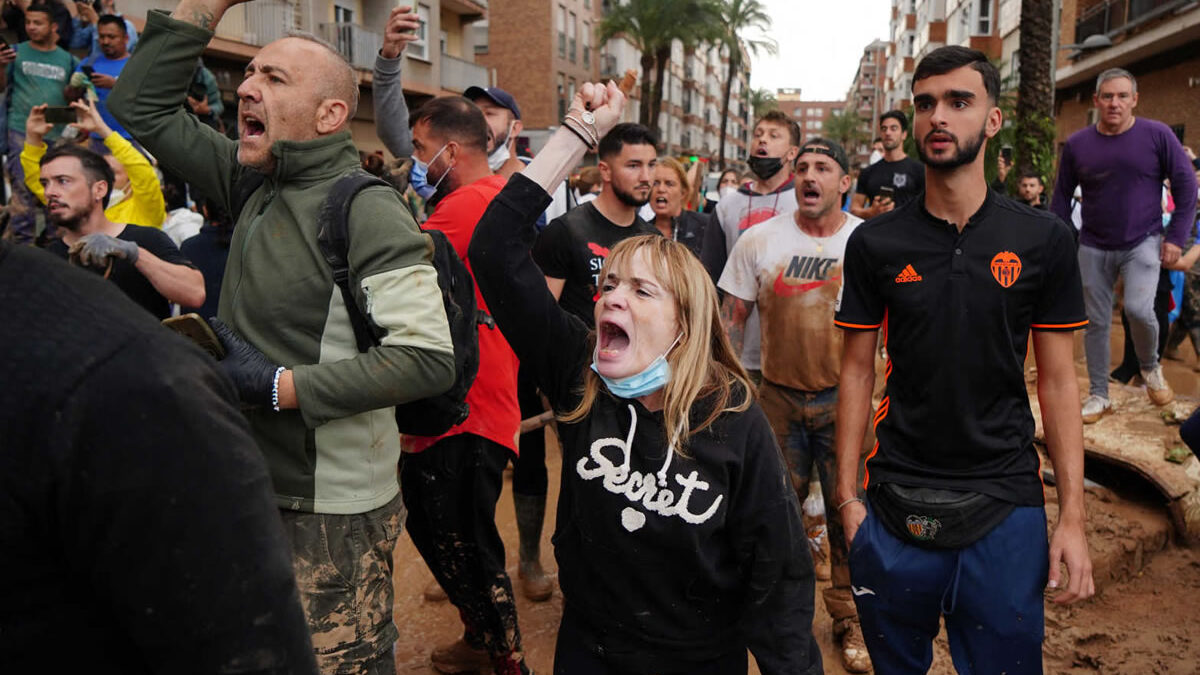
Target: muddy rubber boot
pixel 531 513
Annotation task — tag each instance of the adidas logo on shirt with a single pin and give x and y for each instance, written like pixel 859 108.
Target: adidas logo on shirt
pixel 907 275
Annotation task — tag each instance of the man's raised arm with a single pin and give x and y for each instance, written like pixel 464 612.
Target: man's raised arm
pixel 148 99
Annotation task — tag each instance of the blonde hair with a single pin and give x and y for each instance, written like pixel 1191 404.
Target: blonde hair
pixel 690 192
pixel 703 364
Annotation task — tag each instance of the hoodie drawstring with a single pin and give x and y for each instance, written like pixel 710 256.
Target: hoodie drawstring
pixel 662 473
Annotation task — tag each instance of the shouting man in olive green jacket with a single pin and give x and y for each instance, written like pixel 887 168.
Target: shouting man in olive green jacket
pixel 320 410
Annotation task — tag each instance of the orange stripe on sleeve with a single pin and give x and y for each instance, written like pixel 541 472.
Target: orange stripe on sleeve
pixel 1059 326
pixel 856 326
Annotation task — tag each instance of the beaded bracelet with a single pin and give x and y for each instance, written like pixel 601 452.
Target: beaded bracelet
pixel 275 388
pixel 850 501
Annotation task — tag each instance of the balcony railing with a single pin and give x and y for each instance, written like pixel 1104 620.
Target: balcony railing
pixel 1113 15
pixel 356 43
pixel 458 74
pixel 258 23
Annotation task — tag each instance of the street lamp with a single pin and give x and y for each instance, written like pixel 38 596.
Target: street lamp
pixel 1089 44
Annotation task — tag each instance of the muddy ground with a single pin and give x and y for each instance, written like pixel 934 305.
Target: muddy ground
pixel 1142 621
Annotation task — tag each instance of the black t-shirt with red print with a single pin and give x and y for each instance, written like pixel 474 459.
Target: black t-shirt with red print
pixel 574 247
pixel 956 310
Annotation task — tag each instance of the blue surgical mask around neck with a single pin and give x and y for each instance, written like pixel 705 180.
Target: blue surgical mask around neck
pixel 416 179
pixel 652 378
pixel 422 169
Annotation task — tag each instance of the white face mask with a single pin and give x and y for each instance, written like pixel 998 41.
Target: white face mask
pixel 116 196
pixel 498 157
pixel 501 154
pixel 876 156
pixel 726 190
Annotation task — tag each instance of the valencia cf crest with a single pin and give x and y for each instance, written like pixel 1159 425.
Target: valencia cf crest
pixel 1006 267
pixel 899 180
pixel 923 528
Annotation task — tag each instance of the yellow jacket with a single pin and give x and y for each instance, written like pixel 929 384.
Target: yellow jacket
pixel 144 206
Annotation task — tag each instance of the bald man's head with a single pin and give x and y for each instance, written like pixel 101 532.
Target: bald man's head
pixel 338 79
pixel 297 88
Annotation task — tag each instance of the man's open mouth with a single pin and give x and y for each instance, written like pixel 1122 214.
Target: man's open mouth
pixel 252 126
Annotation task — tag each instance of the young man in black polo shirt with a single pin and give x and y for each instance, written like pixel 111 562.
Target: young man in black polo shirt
pixel 953 524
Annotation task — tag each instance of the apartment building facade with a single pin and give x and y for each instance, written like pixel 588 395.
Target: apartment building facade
pixel 811 116
pixel 867 97
pixel 441 61
pixel 541 53
pixel 1158 41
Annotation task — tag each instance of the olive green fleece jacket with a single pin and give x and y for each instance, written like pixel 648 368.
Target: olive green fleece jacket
pixel 338 452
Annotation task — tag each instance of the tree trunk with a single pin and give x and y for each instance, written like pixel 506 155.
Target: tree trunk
pixel 725 113
pixel 1035 93
pixel 644 108
pixel 662 56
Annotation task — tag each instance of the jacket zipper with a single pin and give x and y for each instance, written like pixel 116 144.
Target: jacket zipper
pixel 254 223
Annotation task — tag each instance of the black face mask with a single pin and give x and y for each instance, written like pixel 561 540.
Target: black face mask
pixel 765 167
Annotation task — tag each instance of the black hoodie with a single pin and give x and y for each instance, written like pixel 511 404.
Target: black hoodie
pixel 671 560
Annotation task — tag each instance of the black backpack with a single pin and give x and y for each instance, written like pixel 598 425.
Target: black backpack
pixel 431 416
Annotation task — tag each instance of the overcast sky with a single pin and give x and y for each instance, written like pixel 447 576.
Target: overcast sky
pixel 820 43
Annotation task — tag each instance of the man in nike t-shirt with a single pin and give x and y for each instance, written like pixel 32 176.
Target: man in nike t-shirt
pixel 790 268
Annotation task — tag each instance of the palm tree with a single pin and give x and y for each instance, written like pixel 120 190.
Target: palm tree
pixel 762 101
pixel 737 17
pixel 844 127
pixel 651 26
pixel 1035 92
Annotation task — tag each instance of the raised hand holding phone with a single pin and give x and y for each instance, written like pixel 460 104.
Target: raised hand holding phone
pixel 403 26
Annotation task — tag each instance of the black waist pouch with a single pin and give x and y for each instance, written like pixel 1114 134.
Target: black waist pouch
pixel 937 518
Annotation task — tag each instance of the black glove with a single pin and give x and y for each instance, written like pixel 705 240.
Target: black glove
pixel 252 374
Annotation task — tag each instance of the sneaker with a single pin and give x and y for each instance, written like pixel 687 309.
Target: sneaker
pixel 855 658
pixel 460 657
pixel 1095 407
pixel 1156 387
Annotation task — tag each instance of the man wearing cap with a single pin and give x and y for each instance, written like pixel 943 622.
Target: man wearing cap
pixel 504 126
pixel 790 267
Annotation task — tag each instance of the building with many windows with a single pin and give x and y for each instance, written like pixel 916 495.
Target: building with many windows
pixel 867 98
pixel 1158 41
pixel 811 116
pixel 442 61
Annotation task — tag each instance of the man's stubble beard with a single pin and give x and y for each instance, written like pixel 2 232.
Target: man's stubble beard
pixel 963 156
pixel 628 199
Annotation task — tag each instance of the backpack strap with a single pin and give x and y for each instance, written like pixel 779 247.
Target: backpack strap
pixel 333 238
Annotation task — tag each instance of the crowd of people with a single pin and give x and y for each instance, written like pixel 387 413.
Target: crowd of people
pixel 698 354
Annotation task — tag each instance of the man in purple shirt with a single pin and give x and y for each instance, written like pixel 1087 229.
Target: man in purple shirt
pixel 1121 163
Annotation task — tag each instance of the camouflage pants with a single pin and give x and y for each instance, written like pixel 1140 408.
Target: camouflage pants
pixel 451 490
pixel 343 567
pixel 803 423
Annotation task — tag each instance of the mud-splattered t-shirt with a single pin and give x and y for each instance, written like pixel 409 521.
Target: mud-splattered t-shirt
pixel 794 279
